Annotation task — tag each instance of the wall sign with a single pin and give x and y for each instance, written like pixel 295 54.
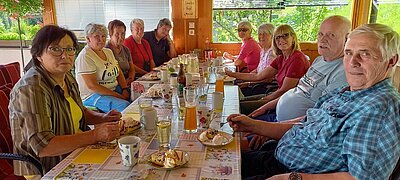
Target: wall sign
pixel 189 9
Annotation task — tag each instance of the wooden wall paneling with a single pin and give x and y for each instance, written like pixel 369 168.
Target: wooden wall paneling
pixel 49 13
pixel 178 30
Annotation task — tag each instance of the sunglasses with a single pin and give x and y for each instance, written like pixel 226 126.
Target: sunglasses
pixel 242 30
pixel 283 36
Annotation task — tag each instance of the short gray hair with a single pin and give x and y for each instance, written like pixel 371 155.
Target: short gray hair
pixel 137 20
pixel 266 28
pixel 245 24
pixel 164 22
pixel 93 27
pixel 389 40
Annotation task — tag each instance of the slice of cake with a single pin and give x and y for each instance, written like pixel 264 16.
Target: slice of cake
pixel 128 125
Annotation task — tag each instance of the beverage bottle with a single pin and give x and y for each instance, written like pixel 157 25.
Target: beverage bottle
pixel 208 53
pixel 181 80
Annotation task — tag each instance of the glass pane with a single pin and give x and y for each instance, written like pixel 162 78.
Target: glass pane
pixel 388 13
pixel 304 18
pixel 30 24
pixel 76 14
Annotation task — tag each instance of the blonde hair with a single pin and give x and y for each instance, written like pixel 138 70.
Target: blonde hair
pixel 266 28
pixel 283 29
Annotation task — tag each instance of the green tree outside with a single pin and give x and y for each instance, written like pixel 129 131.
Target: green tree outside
pixel 305 20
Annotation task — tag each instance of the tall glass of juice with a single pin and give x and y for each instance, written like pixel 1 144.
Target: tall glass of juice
pixel 190 94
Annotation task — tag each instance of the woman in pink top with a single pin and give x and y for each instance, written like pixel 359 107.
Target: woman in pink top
pixel 249 55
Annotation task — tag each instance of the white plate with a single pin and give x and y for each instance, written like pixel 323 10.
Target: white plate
pixel 228 138
pixel 149 77
pixel 185 160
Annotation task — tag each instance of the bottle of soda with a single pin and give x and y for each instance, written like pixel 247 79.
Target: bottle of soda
pixel 181 80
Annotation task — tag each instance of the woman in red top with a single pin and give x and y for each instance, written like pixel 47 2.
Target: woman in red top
pixel 140 48
pixel 289 66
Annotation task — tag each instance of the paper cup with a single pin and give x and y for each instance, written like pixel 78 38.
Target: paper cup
pixel 129 149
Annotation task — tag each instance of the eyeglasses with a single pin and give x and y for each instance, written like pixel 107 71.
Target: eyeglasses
pixel 58 51
pixel 283 36
pixel 242 30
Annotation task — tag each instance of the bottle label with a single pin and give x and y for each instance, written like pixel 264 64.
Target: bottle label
pixel 180 90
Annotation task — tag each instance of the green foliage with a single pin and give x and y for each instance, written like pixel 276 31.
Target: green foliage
pixel 11 36
pixel 388 14
pixel 13 9
pixel 21 7
pixel 305 20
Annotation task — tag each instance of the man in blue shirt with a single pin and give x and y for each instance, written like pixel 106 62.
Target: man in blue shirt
pixel 161 44
pixel 350 133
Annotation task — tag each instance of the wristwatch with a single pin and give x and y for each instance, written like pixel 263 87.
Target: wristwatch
pixel 295 176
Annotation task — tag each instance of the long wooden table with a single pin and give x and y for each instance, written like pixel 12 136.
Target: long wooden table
pixel 103 161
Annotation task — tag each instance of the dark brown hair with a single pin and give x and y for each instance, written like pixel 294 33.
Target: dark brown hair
pixel 49 34
pixel 113 24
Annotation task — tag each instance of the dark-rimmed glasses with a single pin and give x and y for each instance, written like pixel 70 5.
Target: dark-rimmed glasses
pixel 58 51
pixel 242 30
pixel 283 36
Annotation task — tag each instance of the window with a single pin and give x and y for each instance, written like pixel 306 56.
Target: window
pixel 304 16
pixel 76 14
pixel 30 24
pixel 386 12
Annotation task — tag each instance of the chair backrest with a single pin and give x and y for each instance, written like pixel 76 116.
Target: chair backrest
pixel 396 172
pixel 9 75
pixel 396 77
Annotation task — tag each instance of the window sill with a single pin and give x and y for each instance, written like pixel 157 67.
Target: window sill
pixel 14 43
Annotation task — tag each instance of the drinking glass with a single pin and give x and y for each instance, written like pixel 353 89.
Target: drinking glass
pixel 164 131
pixel 144 102
pixel 190 95
pixel 203 90
pixel 219 76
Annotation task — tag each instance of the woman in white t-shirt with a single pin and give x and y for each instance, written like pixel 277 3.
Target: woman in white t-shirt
pixel 101 81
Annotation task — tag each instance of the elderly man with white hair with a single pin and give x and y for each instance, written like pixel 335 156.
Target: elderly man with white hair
pixel 349 134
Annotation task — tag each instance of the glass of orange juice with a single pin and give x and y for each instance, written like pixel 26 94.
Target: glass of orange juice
pixel 219 76
pixel 190 94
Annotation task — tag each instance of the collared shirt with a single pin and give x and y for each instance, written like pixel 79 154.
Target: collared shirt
pixel 158 48
pixel 38 112
pixel 349 131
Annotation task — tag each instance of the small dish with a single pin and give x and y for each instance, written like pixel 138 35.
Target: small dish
pixel 228 138
pixel 161 154
pixel 150 77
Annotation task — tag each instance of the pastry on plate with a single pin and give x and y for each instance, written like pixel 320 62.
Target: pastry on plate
pixel 128 125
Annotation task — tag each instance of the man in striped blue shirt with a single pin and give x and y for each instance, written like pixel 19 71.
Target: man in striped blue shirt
pixel 351 133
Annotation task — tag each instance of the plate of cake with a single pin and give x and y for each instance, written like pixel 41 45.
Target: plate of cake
pixel 215 138
pixel 168 159
pixel 128 125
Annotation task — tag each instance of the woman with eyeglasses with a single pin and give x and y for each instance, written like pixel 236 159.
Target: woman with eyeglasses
pixel 101 82
pixel 47 118
pixel 140 48
pixel 117 30
pixel 249 56
pixel 289 66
